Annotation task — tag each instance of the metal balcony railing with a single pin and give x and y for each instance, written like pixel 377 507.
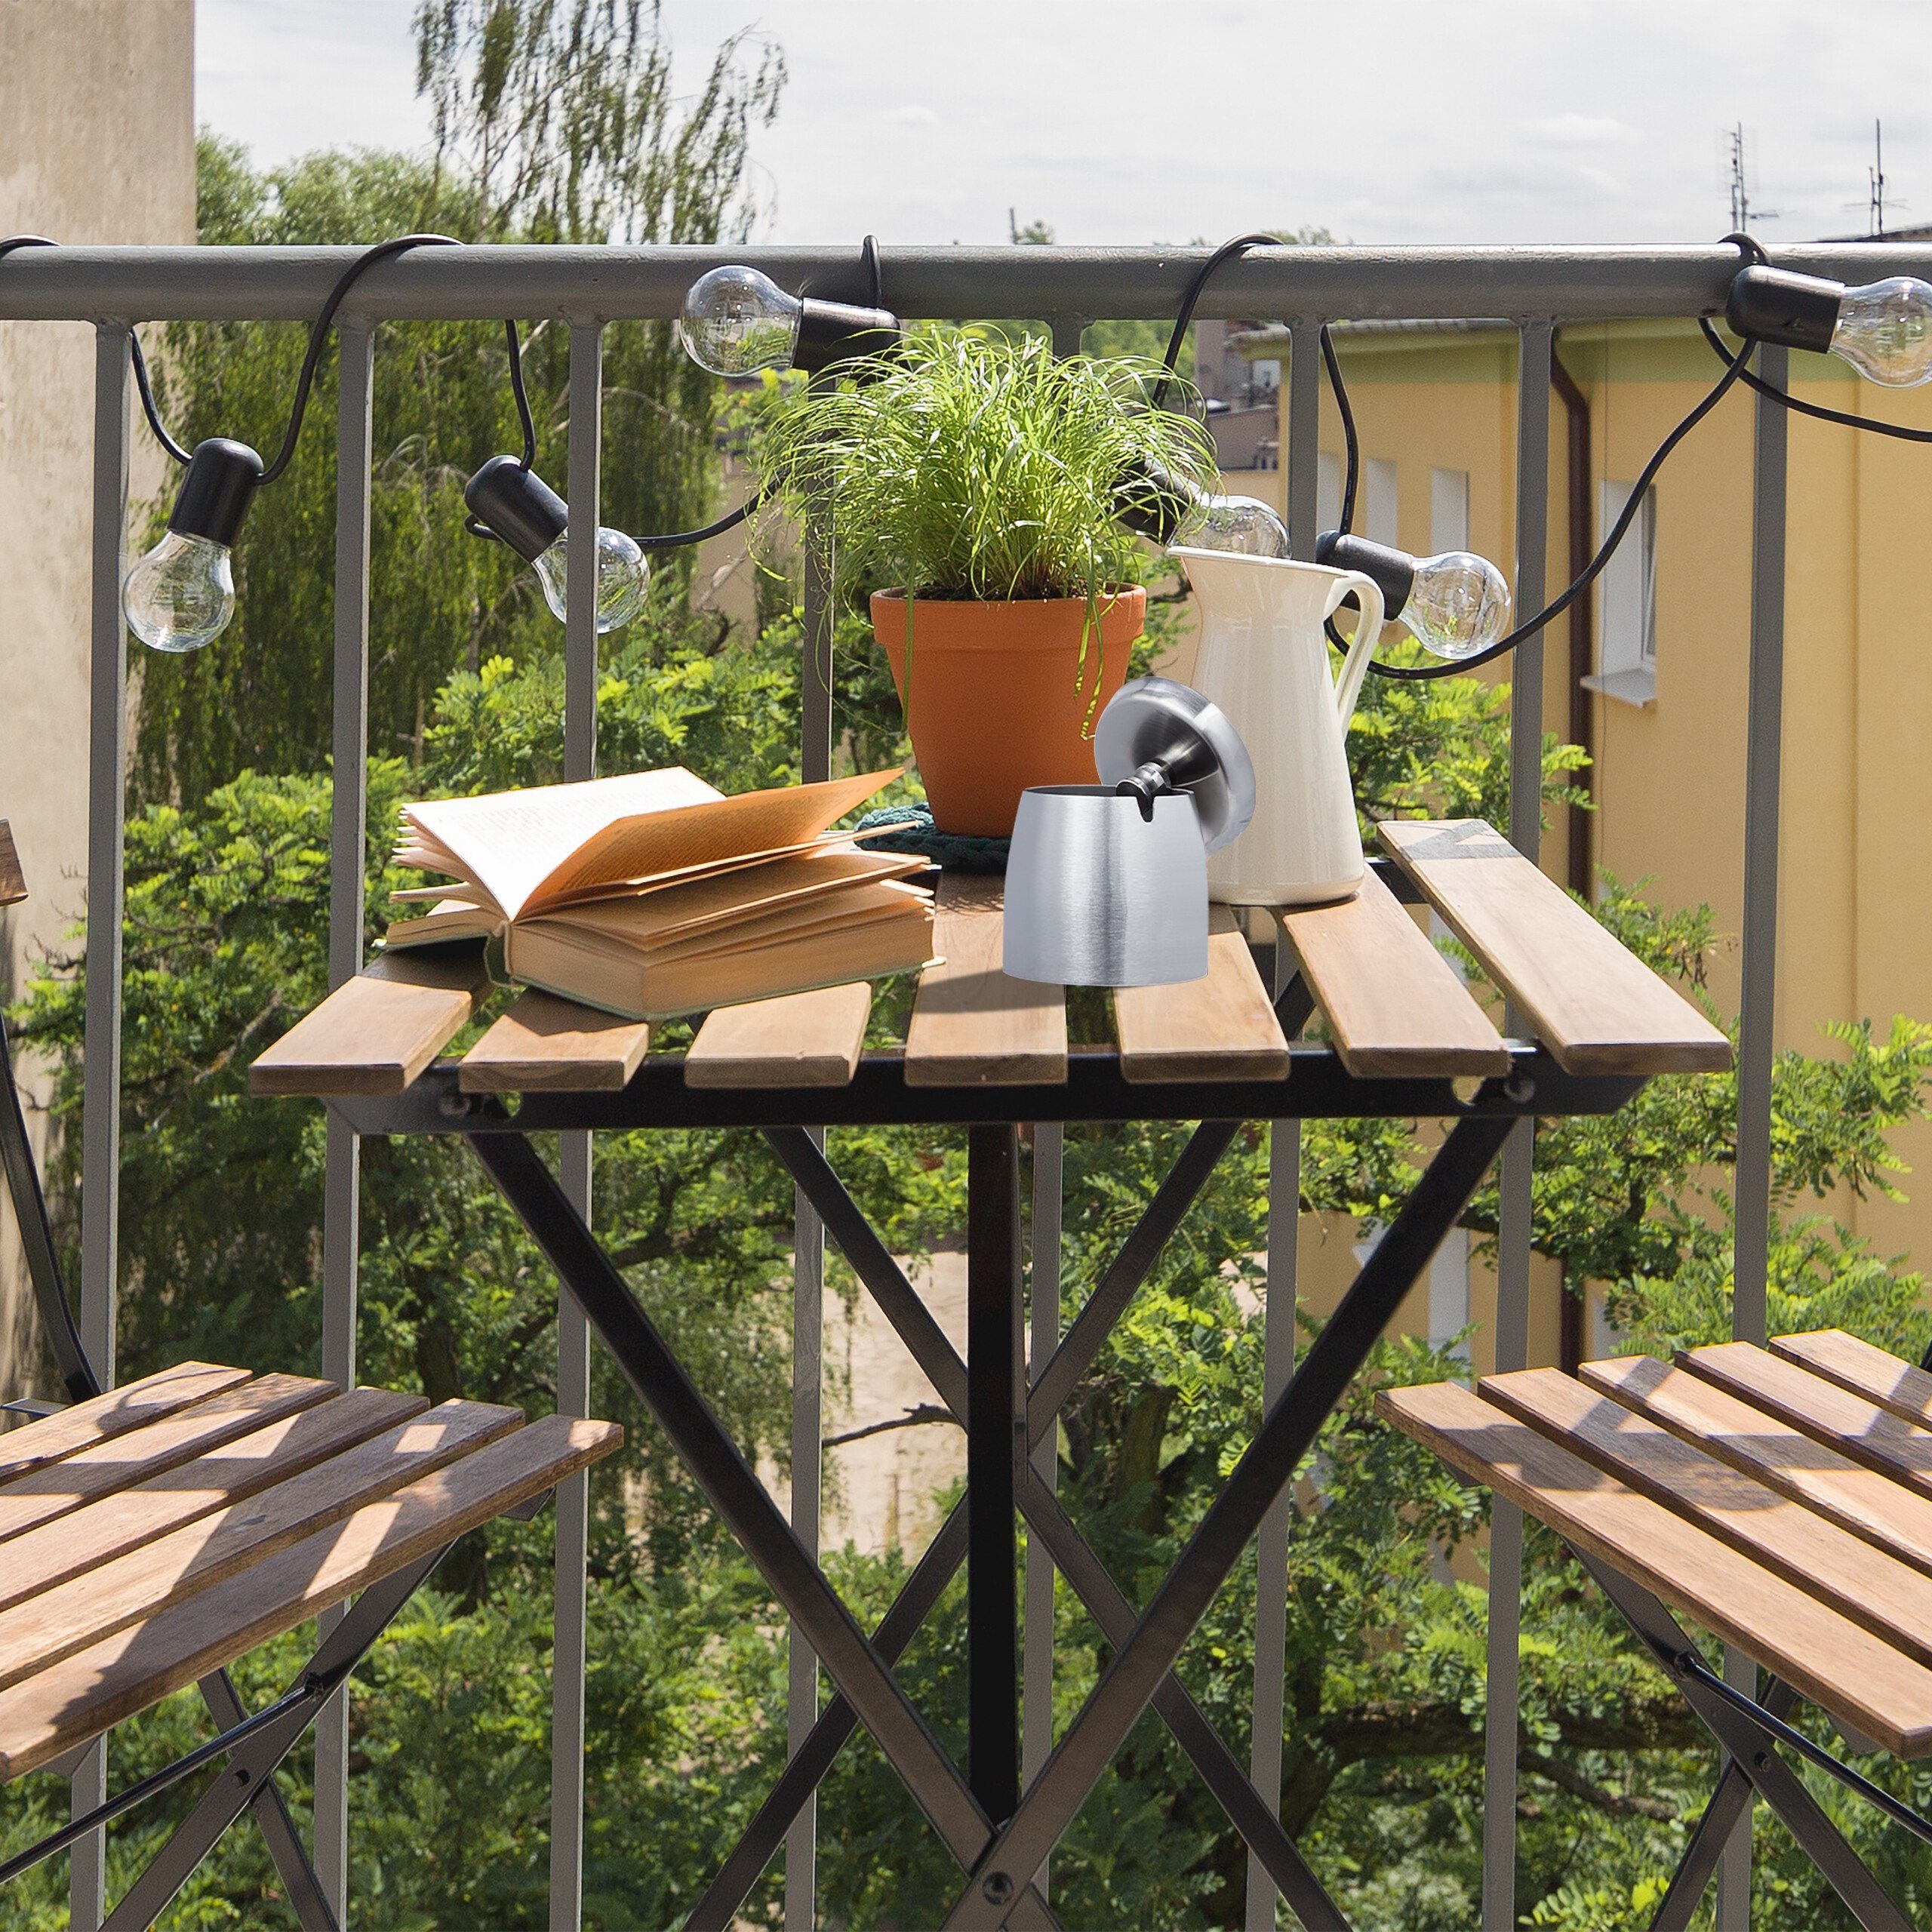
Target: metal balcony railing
pixel 1536 290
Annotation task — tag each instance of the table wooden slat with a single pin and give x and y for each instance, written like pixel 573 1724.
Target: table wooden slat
pixel 375 1033
pixel 1850 1424
pixel 143 1583
pixel 100 1418
pixel 101 1531
pixel 971 1025
pixel 113 1679
pixel 808 1039
pixel 1220 1027
pixel 1866 1584
pixel 42 1494
pixel 1597 1007
pixel 1395 1007
pixel 1836 1662
pixel 1902 1387
pixel 544 1044
pixel 1865 1501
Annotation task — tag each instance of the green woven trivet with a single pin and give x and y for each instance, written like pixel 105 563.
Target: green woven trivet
pixel 951 851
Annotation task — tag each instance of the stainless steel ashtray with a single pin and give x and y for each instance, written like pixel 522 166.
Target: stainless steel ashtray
pixel 1107 883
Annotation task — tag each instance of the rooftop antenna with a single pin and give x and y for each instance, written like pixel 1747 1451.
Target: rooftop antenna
pixel 1737 145
pixel 1875 199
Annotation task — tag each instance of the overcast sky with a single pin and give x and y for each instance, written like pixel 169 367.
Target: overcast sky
pixel 1125 120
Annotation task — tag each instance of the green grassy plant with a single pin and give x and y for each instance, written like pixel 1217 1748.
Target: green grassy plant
pixel 970 467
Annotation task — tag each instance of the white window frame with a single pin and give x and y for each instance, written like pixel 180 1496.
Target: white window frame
pixel 1381 502
pixel 1627 601
pixel 1448 510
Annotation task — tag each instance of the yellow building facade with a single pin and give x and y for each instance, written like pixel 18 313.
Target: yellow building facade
pixel 1663 702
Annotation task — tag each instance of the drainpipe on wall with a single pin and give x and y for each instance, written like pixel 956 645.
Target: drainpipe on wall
pixel 1576 408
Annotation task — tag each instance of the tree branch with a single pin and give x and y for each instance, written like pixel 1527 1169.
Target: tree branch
pixel 924 1412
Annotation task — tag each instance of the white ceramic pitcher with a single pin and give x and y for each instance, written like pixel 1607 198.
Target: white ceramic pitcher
pixel 1264 660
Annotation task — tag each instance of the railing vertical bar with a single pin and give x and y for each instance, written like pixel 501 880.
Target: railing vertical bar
pixel 348 804
pixel 1303 473
pixel 1036 1662
pixel 1271 1547
pixel 1512 1269
pixel 1757 1007
pixel 808 1254
pixel 573 1540
pixel 100 1118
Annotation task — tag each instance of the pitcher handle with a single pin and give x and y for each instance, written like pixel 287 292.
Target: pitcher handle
pixel 1368 634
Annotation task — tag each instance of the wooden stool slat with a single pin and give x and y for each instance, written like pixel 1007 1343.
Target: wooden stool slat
pixel 123 1461
pixel 113 1679
pixel 1861 1499
pixel 13 880
pixel 811 1039
pixel 1867 1584
pixel 1395 1007
pixel 1848 1423
pixel 544 1044
pixel 1900 1386
pixel 971 1025
pixel 1220 1027
pixel 1597 1007
pixel 143 1582
pixel 100 1418
pixel 1845 1669
pixel 375 1033
pixel 131 1517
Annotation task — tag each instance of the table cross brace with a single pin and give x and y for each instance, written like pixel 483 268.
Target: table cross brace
pixel 592 1279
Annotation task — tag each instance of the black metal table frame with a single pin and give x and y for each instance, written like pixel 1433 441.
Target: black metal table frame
pixel 998 1835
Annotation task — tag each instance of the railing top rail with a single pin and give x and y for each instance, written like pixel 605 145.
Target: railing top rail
pixel 85 283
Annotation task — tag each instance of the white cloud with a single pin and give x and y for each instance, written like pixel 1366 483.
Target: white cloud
pixel 1580 130
pixel 914 114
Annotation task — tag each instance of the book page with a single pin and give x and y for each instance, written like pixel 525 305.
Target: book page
pixel 509 842
pixel 699 835
pixel 722 899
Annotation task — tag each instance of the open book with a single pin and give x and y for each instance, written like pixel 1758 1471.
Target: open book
pixel 654 893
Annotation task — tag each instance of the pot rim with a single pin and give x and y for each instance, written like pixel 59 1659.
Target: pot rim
pixel 1108 599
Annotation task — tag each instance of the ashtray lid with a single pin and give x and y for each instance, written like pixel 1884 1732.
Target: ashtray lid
pixel 1161 719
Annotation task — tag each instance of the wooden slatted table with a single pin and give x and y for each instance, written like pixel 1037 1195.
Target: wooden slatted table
pixel 1781 1498
pixel 1393 1006
pixel 1403 1034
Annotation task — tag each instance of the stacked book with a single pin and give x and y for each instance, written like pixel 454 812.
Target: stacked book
pixel 655 894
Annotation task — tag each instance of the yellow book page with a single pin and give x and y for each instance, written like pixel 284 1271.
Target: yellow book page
pixel 696 836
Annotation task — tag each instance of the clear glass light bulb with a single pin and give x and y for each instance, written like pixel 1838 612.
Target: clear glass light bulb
pixel 737 321
pixel 1459 603
pixel 181 595
pixel 623 577
pixel 1884 331
pixel 1245 525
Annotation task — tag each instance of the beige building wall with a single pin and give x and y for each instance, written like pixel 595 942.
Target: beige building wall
pixel 1855 933
pixel 97 145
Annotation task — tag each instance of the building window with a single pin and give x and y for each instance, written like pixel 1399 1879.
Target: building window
pixel 1377 516
pixel 1627 602
pixel 1448 510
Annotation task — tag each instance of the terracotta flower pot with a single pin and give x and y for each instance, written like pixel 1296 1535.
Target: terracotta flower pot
pixel 1000 699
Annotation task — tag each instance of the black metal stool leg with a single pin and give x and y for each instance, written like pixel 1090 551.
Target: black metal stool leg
pixel 1753 1754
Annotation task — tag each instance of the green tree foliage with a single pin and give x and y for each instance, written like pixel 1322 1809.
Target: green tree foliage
pixel 225 944
pixel 557 120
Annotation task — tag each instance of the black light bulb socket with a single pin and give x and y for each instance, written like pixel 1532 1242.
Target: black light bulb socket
pixel 1774 305
pixel 833 332
pixel 1394 570
pixel 220 484
pixel 1157 499
pixel 517 504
